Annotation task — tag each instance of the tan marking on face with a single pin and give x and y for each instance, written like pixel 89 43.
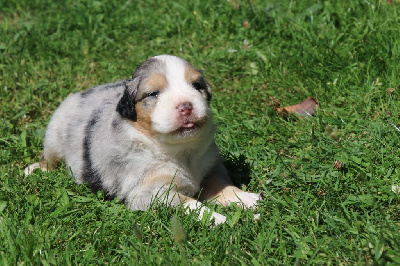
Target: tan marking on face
pixel 156 81
pixel 143 122
pixel 192 74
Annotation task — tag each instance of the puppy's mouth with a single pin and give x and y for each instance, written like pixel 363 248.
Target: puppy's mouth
pixel 188 128
pixel 188 125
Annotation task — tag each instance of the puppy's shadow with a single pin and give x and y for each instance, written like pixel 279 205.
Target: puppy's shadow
pixel 238 168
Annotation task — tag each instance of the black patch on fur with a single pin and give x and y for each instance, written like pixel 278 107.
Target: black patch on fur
pixel 209 95
pixel 90 174
pixel 126 106
pixel 207 88
pixel 203 87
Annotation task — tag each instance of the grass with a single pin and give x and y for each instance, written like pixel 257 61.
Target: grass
pixel 345 53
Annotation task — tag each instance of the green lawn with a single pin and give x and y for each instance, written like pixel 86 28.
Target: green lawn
pixel 253 52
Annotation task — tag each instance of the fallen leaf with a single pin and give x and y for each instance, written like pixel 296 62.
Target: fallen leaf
pixel 303 109
pixel 337 165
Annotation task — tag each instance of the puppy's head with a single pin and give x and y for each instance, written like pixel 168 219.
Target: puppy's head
pixel 167 98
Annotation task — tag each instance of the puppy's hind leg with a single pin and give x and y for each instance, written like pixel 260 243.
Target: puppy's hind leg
pixel 44 165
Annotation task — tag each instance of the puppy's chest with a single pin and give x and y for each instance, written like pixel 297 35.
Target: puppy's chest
pixel 190 166
pixel 188 173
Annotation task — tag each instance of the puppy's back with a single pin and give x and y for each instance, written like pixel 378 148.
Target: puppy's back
pixel 66 131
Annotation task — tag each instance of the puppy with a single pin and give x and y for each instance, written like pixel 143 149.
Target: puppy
pixel 148 137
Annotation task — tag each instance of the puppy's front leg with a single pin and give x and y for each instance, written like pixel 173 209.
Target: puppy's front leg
pixel 170 195
pixel 217 186
pixel 193 204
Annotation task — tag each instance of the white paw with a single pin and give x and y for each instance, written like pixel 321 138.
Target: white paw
pixel 29 170
pixel 247 199
pixel 218 218
pixel 197 206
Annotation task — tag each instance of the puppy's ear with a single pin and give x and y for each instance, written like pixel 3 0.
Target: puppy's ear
pixel 208 90
pixel 206 85
pixel 126 106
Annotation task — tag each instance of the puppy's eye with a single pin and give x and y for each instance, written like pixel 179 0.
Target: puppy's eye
pixel 151 94
pixel 197 85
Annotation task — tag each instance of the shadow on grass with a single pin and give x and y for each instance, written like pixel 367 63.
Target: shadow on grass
pixel 238 168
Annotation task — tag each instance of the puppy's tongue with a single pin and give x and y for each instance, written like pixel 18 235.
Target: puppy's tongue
pixel 188 125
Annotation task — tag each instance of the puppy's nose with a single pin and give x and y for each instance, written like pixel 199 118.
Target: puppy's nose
pixel 185 108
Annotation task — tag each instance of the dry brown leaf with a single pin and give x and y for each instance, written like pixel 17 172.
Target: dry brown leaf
pixel 303 109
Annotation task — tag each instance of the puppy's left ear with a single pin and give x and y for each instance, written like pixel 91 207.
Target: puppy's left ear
pixel 126 106
pixel 205 85
pixel 208 90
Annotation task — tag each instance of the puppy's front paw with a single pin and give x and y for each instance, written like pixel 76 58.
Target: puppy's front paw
pixel 218 218
pixel 203 210
pixel 247 199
